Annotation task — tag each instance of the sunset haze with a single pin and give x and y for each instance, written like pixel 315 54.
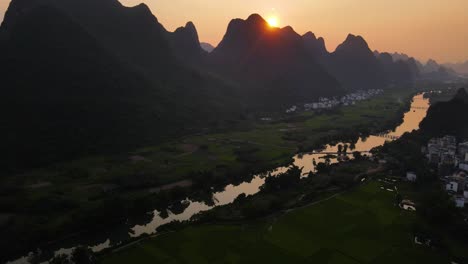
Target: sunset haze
pixel 422 28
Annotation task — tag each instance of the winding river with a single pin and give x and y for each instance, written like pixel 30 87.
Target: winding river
pixel 100 242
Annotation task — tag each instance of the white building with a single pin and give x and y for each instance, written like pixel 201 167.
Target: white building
pixel 463 166
pixel 463 149
pixel 460 202
pixel 411 176
pixel 452 186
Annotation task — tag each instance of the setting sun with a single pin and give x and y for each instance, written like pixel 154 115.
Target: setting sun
pixel 273 21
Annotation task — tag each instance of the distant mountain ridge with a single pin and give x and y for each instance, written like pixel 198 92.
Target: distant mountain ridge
pixel 186 44
pixel 315 46
pixel 355 65
pixel 89 85
pixel 272 62
pixel 460 68
pixel 207 47
pixel 95 76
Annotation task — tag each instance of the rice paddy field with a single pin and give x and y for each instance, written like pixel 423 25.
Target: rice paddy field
pixel 360 226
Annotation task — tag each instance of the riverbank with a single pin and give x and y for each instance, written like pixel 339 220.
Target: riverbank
pixel 108 184
pixel 360 226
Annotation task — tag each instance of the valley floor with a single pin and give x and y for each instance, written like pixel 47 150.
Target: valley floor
pixel 360 226
pixel 50 203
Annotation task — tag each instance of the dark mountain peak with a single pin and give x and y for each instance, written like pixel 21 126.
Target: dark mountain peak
pixel 432 63
pixel 142 8
pixel 190 26
pixel 309 35
pixel 288 29
pixel 385 57
pixel 289 33
pixel 256 19
pixel 316 46
pixel 354 42
pixel 185 42
pixel 189 32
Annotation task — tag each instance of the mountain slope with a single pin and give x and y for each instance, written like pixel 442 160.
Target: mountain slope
pixel 271 64
pixel 315 46
pixel 355 66
pixel 186 45
pixel 132 34
pixel 441 121
pixel 207 47
pixel 460 68
pixel 397 72
pixel 67 92
pixel 64 95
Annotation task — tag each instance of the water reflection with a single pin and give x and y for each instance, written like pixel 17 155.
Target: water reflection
pixel 410 122
pixel 156 219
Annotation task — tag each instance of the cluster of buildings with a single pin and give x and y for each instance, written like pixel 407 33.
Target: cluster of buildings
pixel 349 99
pixel 452 160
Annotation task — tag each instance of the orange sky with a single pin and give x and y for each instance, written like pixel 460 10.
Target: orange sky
pixel 422 28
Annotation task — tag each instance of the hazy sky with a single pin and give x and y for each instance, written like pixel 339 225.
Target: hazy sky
pixel 422 28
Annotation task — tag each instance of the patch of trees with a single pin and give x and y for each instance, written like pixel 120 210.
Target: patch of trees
pixel 247 154
pixel 283 181
pixel 448 118
pixel 80 255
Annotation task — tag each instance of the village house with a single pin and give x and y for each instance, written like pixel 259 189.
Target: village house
pixel 349 99
pixel 463 149
pixel 460 201
pixel 411 176
pixel 463 166
pixel 452 186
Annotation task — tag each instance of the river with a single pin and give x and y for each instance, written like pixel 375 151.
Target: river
pixel 411 121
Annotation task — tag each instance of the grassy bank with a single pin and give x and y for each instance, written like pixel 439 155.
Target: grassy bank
pixel 361 226
pixel 49 203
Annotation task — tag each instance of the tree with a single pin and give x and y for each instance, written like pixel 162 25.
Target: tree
pixel 357 155
pixel 323 168
pixel 83 255
pixel 340 148
pixel 398 199
pixel 35 257
pixel 60 259
pixel 345 148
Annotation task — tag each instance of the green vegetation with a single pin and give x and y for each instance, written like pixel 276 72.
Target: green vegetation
pixel 361 226
pixel 71 197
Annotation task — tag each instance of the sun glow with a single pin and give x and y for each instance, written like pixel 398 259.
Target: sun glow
pixel 273 21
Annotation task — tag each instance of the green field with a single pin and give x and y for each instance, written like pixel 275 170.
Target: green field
pixel 361 226
pixel 52 202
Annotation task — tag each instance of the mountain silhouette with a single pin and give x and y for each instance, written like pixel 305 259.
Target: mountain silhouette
pixel 460 68
pixel 315 46
pixel 90 85
pixel 440 117
pixel 272 64
pixel 207 47
pixel 186 44
pixel 355 66
pixel 399 71
pixel 71 91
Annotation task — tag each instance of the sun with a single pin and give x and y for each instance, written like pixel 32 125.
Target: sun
pixel 273 21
